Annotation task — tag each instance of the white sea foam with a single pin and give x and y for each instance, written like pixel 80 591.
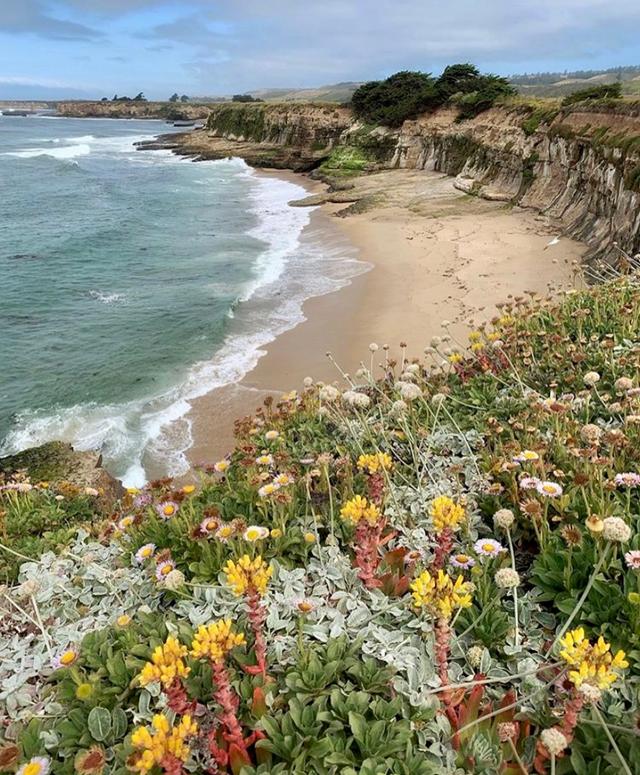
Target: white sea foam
pixel 107 298
pixel 155 432
pixel 72 147
pixel 66 152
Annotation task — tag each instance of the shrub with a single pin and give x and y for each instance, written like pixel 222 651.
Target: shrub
pixel 406 94
pixel 605 91
pixel 400 97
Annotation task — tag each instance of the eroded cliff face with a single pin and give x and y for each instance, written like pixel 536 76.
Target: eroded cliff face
pixel 580 166
pixel 132 109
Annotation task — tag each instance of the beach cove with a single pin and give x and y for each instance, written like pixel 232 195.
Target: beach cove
pixel 433 254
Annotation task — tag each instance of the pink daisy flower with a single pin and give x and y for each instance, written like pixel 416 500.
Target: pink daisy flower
pixel 488 547
pixel 632 559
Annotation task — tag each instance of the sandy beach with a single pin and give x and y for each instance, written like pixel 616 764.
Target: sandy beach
pixel 435 254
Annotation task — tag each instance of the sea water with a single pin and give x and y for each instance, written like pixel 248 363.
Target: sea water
pixel 132 282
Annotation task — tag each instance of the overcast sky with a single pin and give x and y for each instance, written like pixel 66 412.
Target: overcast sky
pixel 92 48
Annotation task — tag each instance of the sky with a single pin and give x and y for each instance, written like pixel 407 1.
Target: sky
pixel 93 48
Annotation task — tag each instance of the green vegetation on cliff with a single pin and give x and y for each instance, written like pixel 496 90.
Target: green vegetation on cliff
pixel 406 95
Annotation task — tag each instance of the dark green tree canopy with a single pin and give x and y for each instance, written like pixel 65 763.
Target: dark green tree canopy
pixel 405 95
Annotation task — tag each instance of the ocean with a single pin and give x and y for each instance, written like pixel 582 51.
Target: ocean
pixel 132 282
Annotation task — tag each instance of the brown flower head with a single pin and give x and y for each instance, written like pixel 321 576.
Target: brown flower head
pixel 90 762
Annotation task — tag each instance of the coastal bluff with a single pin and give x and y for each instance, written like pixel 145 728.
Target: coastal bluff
pixel 132 109
pixel 579 165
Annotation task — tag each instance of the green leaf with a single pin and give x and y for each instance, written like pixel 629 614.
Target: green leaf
pixel 99 723
pixel 358 725
pixel 119 723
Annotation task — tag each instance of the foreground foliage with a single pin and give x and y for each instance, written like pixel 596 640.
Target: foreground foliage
pixel 434 568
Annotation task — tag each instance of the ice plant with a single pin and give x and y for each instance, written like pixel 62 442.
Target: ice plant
pixel 446 516
pixel 369 524
pixel 162 745
pixel 249 579
pixel 439 595
pixel 213 642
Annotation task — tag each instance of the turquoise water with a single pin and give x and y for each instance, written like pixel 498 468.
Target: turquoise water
pixel 131 282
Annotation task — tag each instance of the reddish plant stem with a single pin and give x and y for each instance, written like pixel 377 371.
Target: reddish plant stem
pixel 177 698
pixel 257 618
pixel 570 715
pixel 171 765
pixel 572 709
pixel 443 548
pixel 228 701
pixel 375 487
pixel 443 636
pixel 367 557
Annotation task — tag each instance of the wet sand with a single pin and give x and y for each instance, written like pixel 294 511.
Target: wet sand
pixel 435 254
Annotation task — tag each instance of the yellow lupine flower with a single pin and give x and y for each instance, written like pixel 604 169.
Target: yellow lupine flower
pixel 440 595
pixel 592 663
pixel 359 508
pixel 215 640
pixel 445 512
pixel 248 575
pixel 167 664
pixel 160 740
pixel 374 463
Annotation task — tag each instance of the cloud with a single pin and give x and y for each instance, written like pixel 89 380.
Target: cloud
pixel 30 16
pixel 224 46
pixel 296 43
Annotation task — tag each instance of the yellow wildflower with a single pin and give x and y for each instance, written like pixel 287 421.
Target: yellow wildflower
pixel 455 358
pixel 188 489
pixel 374 463
pixel 84 691
pixel 248 575
pixel 161 740
pixel 445 512
pixel 167 664
pixel 440 595
pixel 477 347
pixel 215 640
pixel 475 336
pixel 593 663
pixel 359 508
pixel 310 538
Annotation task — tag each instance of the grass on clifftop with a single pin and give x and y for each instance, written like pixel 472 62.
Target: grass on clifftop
pixel 431 567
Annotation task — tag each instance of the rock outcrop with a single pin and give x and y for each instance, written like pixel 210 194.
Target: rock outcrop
pixel 57 461
pixel 579 165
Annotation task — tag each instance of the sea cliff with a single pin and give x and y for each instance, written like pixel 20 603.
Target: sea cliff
pixel 132 109
pixel 579 165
